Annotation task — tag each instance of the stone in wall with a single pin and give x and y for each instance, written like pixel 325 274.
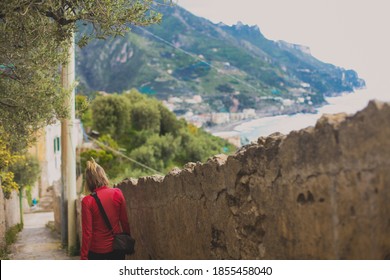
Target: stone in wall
pixel 319 193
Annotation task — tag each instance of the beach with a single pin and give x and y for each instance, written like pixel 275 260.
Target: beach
pixel 265 125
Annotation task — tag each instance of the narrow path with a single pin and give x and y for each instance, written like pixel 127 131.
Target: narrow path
pixel 38 242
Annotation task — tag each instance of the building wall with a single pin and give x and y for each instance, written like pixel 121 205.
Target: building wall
pixel 48 151
pixel 38 150
pixel 53 153
pixel 318 193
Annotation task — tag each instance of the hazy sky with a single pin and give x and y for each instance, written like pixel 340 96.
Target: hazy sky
pixel 353 34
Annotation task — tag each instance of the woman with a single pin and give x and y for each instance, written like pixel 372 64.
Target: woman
pixel 97 239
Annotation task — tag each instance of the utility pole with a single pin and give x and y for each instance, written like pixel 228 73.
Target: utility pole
pixel 68 156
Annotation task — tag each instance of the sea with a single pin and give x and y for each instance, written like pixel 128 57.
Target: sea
pixel 349 103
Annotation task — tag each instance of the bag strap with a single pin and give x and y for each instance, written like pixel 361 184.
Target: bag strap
pixel 99 203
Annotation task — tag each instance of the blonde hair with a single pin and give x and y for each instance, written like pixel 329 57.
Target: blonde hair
pixel 95 175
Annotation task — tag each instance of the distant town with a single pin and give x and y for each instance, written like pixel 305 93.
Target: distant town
pixel 185 107
pixel 196 110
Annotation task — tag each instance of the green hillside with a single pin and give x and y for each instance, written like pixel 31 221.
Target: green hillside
pixel 187 55
pixel 142 128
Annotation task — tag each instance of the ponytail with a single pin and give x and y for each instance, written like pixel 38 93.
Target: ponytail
pixel 95 175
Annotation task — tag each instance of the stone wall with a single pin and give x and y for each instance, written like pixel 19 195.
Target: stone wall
pixel 9 214
pixel 12 210
pixel 318 193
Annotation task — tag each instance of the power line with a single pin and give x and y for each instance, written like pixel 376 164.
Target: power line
pixel 189 54
pixel 198 58
pixel 124 156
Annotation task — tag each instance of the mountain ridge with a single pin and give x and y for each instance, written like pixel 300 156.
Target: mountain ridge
pixel 187 55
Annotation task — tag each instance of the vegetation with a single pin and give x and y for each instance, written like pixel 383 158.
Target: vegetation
pixel 145 131
pixel 35 36
pixel 34 39
pixel 6 177
pixel 26 172
pixel 10 238
pixel 241 58
pixel 11 234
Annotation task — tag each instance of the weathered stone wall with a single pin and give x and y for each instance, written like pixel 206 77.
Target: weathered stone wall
pixel 12 210
pixel 318 193
pixel 9 214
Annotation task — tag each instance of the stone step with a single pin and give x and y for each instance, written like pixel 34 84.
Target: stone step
pixel 46 202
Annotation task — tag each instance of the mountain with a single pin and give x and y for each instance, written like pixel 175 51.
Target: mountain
pixel 187 55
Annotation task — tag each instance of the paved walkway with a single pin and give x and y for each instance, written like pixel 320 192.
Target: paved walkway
pixel 38 242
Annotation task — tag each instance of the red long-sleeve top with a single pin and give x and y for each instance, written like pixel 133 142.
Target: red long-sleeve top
pixel 96 236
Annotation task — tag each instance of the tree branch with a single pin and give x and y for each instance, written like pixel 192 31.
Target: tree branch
pixel 60 20
pixel 8 105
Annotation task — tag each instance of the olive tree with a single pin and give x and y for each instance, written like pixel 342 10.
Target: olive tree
pixel 34 39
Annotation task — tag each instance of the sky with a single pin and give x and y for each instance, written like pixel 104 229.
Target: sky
pixel 353 34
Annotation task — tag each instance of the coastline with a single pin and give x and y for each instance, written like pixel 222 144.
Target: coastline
pixel 268 123
pixel 231 126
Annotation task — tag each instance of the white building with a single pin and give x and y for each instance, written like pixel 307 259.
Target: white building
pixel 47 149
pixel 220 118
pixel 249 113
pixel 52 165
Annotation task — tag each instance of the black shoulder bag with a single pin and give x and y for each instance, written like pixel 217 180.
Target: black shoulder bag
pixel 122 241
